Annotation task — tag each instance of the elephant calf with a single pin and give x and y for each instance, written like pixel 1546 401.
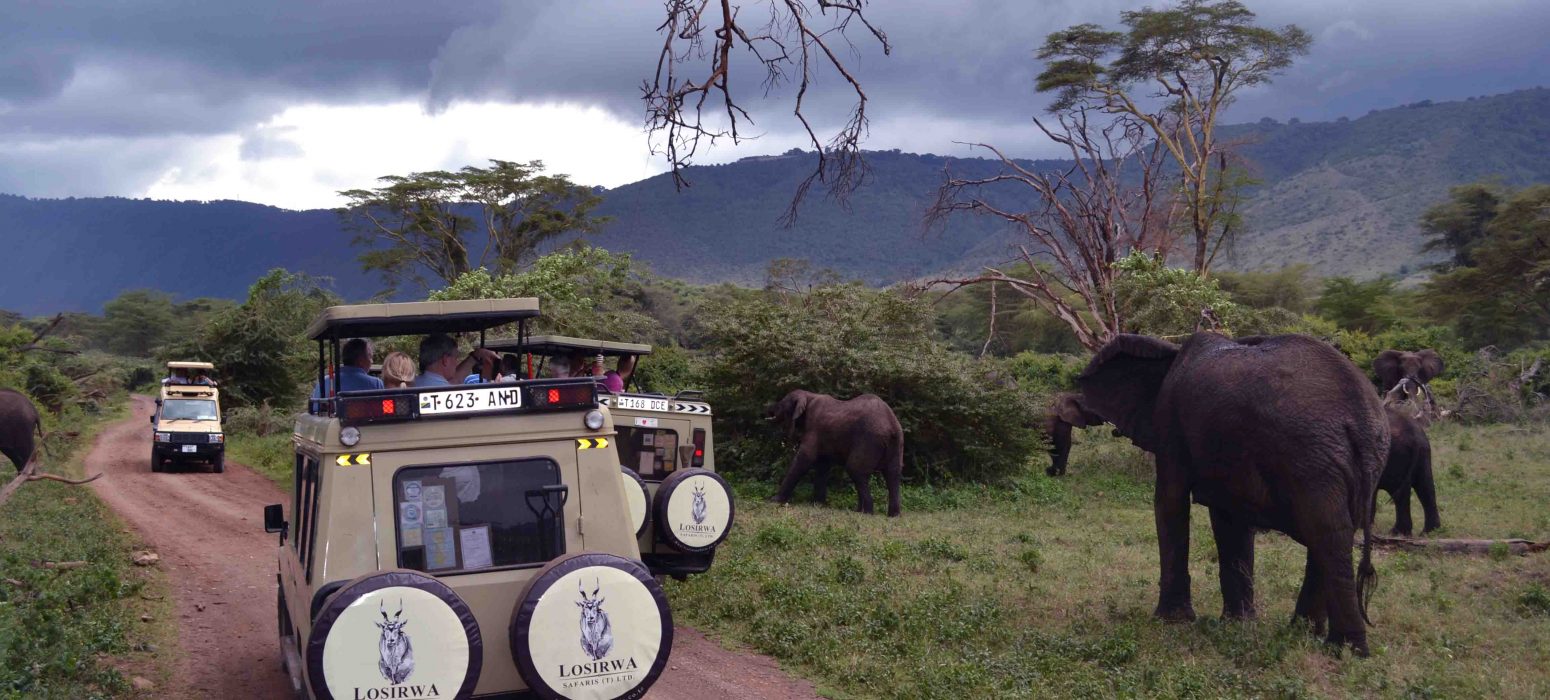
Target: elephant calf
pixel 18 422
pixel 1409 466
pixel 862 433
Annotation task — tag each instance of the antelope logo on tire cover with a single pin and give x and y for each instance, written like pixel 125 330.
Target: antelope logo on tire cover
pixel 698 511
pixel 620 650
pixel 360 648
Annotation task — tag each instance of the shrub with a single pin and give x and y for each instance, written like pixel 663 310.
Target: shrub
pixel 961 419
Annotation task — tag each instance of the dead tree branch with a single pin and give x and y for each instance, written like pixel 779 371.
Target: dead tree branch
pixel 31 473
pixel 1462 546
pixel 37 338
pixel 690 100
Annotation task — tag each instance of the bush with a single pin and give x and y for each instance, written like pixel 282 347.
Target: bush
pixel 1166 302
pixel 1046 374
pixel 960 421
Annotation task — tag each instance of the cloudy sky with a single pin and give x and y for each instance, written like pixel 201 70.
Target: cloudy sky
pixel 287 101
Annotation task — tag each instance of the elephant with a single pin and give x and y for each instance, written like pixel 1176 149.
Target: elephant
pixel 1065 412
pixel 862 433
pixel 19 421
pixel 1409 466
pixel 1281 433
pixel 1402 373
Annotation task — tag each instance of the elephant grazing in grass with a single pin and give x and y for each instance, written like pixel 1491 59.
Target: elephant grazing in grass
pixel 1065 412
pixel 1280 433
pixel 862 434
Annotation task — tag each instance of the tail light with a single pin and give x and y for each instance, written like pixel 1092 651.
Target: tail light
pixel 564 396
pixel 377 408
pixel 699 448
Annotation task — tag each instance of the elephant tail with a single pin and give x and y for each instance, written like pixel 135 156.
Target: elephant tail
pixel 1366 574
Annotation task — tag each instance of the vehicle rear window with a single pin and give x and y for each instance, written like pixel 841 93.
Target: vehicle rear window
pixel 650 452
pixel 455 518
pixel 188 409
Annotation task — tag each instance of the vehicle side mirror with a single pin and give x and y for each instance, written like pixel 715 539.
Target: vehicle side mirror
pixel 274 520
pixel 223 419
pixel 158 402
pixel 153 420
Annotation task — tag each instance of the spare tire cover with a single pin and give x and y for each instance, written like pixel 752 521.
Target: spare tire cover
pixel 638 499
pixel 591 626
pixel 693 510
pixel 394 634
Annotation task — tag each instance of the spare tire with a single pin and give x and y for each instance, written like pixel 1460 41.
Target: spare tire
pixel 637 498
pixel 568 644
pixel 391 632
pixel 693 510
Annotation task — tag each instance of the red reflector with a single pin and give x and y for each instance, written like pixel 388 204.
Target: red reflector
pixel 554 396
pixel 387 407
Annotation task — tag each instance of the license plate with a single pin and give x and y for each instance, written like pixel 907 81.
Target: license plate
pixel 190 448
pixel 640 404
pixel 470 400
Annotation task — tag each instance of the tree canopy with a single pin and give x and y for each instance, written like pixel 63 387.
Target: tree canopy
pixel 1497 289
pixel 430 227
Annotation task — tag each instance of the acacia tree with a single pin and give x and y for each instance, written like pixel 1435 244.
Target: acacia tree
pixel 790 43
pixel 1175 70
pixel 1078 221
pixel 438 225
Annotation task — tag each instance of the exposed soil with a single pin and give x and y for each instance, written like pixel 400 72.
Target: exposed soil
pixel 208 530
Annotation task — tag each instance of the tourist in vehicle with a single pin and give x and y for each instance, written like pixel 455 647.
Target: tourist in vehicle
pixel 511 367
pixel 439 365
pixel 612 380
pixel 397 370
pixel 179 376
pixel 355 374
pixel 202 379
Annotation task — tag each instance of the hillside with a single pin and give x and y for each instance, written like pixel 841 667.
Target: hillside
pixel 1344 196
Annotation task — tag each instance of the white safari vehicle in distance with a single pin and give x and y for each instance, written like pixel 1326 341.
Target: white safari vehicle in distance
pixel 465 540
pixel 186 426
pixel 666 457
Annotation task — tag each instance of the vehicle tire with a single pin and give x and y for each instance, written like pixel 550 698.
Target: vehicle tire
pixel 156 464
pixel 349 647
pixel 640 506
pixel 218 465
pixel 693 510
pixel 617 651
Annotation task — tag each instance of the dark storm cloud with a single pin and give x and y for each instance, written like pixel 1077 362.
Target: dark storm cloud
pixel 116 75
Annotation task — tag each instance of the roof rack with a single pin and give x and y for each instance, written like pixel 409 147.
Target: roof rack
pixel 563 345
pixel 419 317
pixel 190 365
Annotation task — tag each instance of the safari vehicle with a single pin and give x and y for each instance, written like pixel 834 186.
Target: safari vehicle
pixel 661 442
pixel 186 426
pixel 467 540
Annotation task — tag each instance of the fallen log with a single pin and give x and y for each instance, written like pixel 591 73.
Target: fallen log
pixel 62 565
pixel 1461 546
pixel 31 473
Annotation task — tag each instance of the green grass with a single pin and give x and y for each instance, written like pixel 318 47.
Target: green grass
pixel 73 633
pixel 270 455
pixel 1046 590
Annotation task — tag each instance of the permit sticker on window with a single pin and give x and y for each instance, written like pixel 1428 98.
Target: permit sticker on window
pixel 470 400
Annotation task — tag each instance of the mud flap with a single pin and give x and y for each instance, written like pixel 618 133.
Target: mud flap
pixel 638 499
pixel 391 634
pixel 591 626
pixel 693 510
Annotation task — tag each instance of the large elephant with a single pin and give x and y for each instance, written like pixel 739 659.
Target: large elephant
pixel 1065 412
pixel 1280 433
pixel 1402 373
pixel 862 434
pixel 18 422
pixel 1409 466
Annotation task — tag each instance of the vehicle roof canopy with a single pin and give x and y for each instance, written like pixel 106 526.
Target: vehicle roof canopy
pixel 419 317
pixel 564 345
pixel 190 365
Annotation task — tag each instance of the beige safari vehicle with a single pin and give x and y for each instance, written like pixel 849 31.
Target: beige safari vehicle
pixel 186 426
pixel 665 447
pixel 461 540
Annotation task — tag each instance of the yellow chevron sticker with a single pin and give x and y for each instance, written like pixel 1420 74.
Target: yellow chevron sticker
pixel 363 458
pixel 591 443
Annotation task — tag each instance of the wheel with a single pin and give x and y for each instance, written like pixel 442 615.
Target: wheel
pixel 156 465
pixel 219 465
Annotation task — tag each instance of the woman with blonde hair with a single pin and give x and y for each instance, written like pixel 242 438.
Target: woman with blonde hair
pixel 397 370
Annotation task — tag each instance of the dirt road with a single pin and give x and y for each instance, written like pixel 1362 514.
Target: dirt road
pixel 208 530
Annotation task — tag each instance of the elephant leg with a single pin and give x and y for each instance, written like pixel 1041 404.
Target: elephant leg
pixel 1402 524
pixel 863 491
pixel 1332 550
pixel 1426 489
pixel 1235 558
pixel 1060 448
pixel 802 462
pixel 1310 600
pixel 821 481
pixel 891 476
pixel 1170 506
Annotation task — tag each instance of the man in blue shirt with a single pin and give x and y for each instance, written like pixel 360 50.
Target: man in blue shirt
pixel 355 375
pixel 439 365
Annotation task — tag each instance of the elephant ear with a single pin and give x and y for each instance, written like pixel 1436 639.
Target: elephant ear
pixel 1122 382
pixel 1388 369
pixel 1431 364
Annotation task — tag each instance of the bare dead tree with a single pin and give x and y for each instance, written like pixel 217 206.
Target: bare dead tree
pixel 1079 222
pixel 695 72
pixel 43 333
